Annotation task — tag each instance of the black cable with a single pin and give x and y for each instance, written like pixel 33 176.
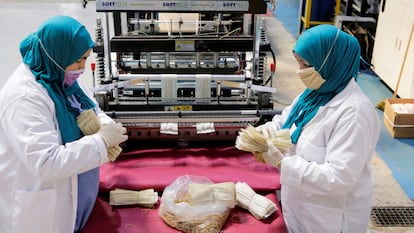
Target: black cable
pixel 274 62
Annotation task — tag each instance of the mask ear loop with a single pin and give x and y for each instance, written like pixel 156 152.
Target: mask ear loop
pixel 47 54
pixel 329 52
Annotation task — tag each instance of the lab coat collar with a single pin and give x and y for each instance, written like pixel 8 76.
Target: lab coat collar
pixel 341 96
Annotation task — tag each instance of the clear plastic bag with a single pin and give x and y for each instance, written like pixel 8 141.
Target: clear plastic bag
pixel 177 210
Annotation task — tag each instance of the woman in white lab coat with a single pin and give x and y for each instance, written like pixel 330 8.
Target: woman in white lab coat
pixel 49 168
pixel 326 176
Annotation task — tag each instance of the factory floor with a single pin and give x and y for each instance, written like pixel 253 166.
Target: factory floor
pixel 392 162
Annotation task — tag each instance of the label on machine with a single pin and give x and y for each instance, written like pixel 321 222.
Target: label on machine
pixel 177 5
pixel 178 108
pixel 184 45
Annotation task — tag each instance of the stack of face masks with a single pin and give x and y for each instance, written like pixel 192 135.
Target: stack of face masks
pixel 253 141
pixel 258 205
pixel 146 197
pixel 89 124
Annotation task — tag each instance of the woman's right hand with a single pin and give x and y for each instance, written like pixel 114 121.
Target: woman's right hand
pixel 113 134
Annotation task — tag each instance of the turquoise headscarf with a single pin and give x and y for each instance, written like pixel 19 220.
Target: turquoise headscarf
pixel 339 53
pixel 65 40
pixel 58 43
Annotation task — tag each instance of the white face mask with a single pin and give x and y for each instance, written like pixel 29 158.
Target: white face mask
pixel 311 78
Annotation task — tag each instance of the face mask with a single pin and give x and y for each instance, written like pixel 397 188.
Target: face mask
pixel 311 78
pixel 71 76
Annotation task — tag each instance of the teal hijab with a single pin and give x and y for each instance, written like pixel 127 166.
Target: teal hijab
pixel 58 43
pixel 336 55
pixel 61 40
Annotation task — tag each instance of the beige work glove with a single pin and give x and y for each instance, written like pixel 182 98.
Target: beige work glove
pixel 89 124
pixel 259 206
pixel 272 156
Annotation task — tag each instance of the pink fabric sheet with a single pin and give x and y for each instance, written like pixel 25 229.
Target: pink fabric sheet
pixel 133 219
pixel 157 168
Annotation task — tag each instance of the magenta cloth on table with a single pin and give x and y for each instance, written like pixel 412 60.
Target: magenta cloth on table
pixel 108 219
pixel 157 168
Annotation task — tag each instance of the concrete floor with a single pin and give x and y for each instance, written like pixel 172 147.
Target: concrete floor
pixel 20 17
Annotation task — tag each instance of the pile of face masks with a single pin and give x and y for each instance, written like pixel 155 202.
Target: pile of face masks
pixel 196 204
pixel 146 198
pixel 251 140
pixel 403 108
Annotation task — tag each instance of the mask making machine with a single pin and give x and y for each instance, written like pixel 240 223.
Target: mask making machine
pixel 184 77
pixel 184 71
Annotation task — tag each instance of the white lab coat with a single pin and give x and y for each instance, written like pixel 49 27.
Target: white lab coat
pixel 326 179
pixel 38 191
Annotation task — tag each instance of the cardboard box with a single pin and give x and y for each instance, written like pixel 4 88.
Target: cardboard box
pixel 400 125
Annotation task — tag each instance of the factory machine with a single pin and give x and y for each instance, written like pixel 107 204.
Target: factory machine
pixel 184 77
pixel 184 71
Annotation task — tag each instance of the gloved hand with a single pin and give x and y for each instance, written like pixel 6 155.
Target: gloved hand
pixel 268 129
pixel 89 124
pixel 113 134
pixel 272 156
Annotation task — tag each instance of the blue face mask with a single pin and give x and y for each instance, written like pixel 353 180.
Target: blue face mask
pixel 71 76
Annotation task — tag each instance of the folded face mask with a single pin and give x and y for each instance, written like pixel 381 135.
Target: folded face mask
pixel 311 78
pixel 71 76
